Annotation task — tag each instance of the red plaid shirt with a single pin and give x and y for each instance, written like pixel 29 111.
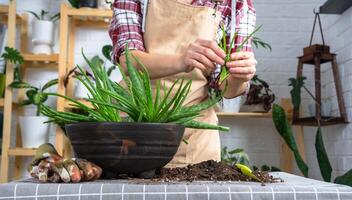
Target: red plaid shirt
pixel 126 24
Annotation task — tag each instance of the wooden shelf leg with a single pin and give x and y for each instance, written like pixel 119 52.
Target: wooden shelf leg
pixel 8 95
pixel 64 21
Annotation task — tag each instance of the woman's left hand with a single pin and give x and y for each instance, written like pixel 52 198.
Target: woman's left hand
pixel 242 65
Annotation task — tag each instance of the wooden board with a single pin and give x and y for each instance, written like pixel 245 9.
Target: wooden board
pixel 41 57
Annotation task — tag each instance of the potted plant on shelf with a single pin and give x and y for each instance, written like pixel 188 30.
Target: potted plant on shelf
pixel 10 55
pixel 34 130
pixel 260 97
pixel 105 4
pixel 146 137
pixel 84 3
pixel 43 32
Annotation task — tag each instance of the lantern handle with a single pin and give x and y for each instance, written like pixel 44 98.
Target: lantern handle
pixel 317 16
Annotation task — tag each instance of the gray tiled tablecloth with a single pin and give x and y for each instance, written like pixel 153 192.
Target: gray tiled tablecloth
pixel 294 188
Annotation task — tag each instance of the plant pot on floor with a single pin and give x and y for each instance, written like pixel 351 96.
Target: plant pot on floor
pixel 34 131
pixel 125 148
pixel 42 37
pixel 88 3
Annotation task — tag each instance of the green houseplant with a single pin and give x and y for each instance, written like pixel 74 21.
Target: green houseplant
pixel 9 55
pixel 146 136
pixel 43 32
pixel 33 129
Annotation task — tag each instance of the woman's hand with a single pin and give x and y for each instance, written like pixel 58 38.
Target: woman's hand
pixel 242 66
pixel 202 54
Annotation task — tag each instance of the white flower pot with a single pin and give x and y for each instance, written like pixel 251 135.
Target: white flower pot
pixel 42 37
pixel 26 161
pixel 2 65
pixel 81 91
pixel 232 105
pixel 102 4
pixel 34 131
pixel 326 109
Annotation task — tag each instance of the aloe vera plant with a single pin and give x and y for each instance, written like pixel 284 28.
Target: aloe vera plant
pixel 224 72
pixel 137 100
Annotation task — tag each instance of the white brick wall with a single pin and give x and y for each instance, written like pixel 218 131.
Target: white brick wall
pixel 286 26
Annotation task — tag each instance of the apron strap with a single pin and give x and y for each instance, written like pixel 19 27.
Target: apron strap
pixel 145 8
pixel 233 18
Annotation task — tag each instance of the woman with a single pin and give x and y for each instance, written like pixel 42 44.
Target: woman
pixel 178 39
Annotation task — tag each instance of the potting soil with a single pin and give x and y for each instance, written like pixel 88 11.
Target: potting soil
pixel 211 171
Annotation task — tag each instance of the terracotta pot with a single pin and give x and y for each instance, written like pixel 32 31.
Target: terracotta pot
pixel 125 148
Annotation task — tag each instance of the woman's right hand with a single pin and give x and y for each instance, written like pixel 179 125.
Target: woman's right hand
pixel 203 55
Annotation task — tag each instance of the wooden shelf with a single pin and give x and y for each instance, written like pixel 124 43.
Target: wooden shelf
pixel 22 151
pixel 244 114
pixel 325 121
pixel 90 13
pixel 41 57
pixel 4 9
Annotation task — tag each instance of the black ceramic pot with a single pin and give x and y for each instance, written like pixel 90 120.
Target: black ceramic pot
pixel 125 148
pixel 88 3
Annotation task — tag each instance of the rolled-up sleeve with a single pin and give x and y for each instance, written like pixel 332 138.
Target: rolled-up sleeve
pixel 126 27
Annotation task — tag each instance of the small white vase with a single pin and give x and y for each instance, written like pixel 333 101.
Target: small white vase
pixel 326 109
pixel 232 105
pixel 102 4
pixel 81 91
pixel 34 131
pixel 42 37
pixel 2 65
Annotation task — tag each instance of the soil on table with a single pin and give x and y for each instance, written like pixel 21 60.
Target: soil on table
pixel 211 171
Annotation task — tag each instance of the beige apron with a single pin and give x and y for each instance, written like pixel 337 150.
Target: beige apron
pixel 170 27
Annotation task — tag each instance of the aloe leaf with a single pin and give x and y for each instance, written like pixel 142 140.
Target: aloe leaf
pixel 322 156
pixel 345 179
pixel 284 128
pixel 202 125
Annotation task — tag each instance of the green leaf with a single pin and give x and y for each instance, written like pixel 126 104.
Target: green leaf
pixel 259 42
pixel 322 156
pixel 25 102
pixel 55 17
pixel 345 179
pixel 30 94
pixel 20 84
pixel 39 98
pixel 34 14
pixel 74 3
pixel 12 55
pixel 284 128
pixel 50 83
pixel 297 85
pixel 106 51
